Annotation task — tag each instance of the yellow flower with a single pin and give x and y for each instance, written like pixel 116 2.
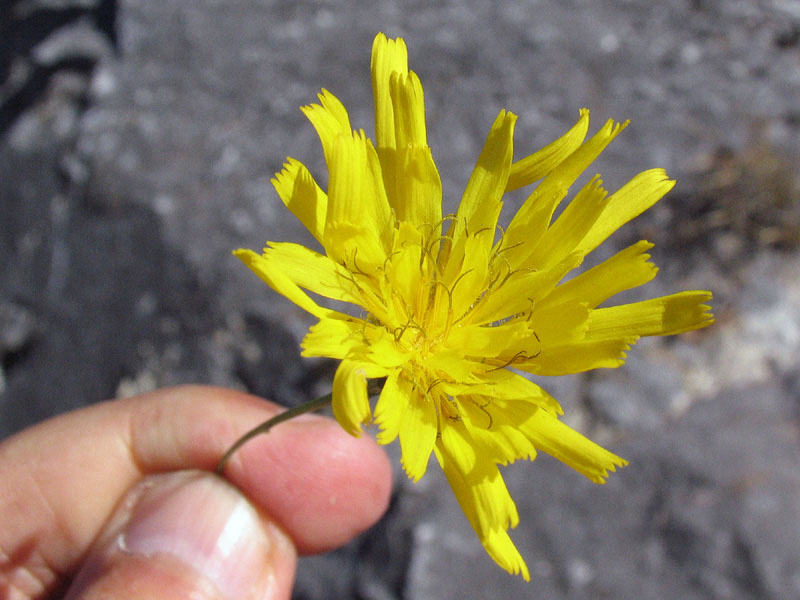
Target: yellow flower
pixel 451 308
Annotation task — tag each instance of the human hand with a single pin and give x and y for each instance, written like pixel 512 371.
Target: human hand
pixel 115 500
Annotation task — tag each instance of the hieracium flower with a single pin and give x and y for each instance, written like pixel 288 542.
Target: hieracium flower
pixel 451 309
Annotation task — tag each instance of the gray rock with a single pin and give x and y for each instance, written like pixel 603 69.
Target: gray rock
pixel 17 327
pixel 76 41
pixel 138 139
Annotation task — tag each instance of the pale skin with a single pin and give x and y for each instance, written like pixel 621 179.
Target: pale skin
pixel 78 494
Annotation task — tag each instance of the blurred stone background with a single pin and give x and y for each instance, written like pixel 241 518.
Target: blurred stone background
pixel 137 140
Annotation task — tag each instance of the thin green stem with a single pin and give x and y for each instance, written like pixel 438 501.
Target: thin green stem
pixel 310 406
pixel 374 387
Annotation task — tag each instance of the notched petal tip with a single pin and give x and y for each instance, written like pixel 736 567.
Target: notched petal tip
pixel 617 462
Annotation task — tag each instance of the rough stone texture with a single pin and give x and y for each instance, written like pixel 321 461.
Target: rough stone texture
pixel 137 139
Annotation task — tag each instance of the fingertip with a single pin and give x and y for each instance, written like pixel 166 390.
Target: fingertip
pixel 321 484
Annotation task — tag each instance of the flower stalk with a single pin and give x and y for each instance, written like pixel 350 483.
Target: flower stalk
pixel 264 428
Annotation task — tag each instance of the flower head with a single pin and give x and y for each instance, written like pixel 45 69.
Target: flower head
pixel 452 309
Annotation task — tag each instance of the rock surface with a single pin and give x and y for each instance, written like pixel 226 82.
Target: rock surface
pixel 137 140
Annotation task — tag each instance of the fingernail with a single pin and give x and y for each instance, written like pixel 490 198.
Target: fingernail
pixel 208 526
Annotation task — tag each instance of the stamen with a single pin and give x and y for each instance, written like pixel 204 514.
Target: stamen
pixel 530 313
pixel 516 358
pixel 401 303
pixel 433 384
pixel 450 410
pixel 459 278
pixel 482 407
pixel 470 308
pixel 448 217
pixel 514 272
pixel 355 268
pixel 501 250
pixel 481 230
pixel 497 276
pixel 388 259
pixel 442 238
pixel 410 324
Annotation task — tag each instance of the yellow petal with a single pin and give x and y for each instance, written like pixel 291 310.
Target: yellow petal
pixel 418 429
pixel 482 199
pixel 358 218
pixel 625 270
pixel 408 102
pixel 559 325
pixel 501 548
pixel 493 505
pixel 313 271
pixel 537 165
pixel 451 364
pixel 467 278
pixel 330 119
pixel 278 281
pixel 666 315
pixel 503 443
pixel 570 447
pixel 631 200
pixel 503 385
pixel 520 291
pixel 388 56
pixel 494 424
pixel 350 399
pixel 578 357
pixel 416 195
pixel 383 349
pixel 535 214
pixel 334 338
pixel 551 332
pixel 301 195
pixel 484 341
pixel 406 271
pixel 563 236
pixel 483 496
pixel 390 407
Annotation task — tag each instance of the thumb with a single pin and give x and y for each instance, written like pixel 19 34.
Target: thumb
pixel 187 534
